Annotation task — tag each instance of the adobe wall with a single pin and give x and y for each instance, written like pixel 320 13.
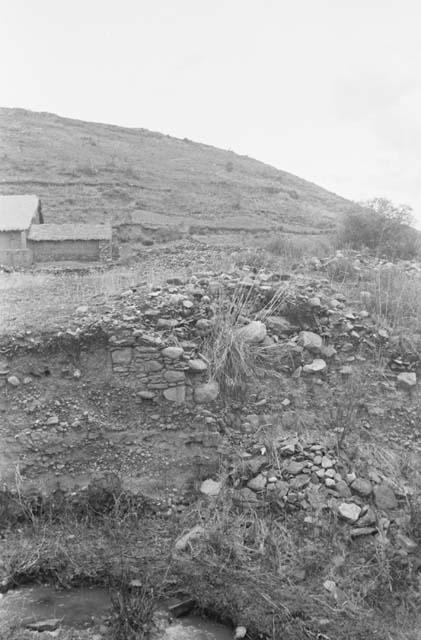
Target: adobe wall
pixel 10 240
pixel 80 250
pixel 16 257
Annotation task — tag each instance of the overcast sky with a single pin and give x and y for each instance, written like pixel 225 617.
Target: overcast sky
pixel 328 90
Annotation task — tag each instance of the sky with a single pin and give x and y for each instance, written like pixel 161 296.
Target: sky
pixel 329 90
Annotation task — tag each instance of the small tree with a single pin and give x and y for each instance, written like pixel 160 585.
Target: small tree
pixel 382 227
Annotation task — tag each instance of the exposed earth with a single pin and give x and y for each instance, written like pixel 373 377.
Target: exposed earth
pixel 225 419
pixel 318 441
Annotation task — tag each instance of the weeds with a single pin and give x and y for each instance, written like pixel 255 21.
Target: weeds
pixel 235 361
pixel 395 297
pixel 132 612
pixel 341 269
pixel 42 300
pixel 345 413
pixel 295 247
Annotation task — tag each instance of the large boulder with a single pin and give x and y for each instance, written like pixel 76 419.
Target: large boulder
pixel 258 483
pixel 362 487
pixel 176 394
pixel 210 487
pixel 254 332
pixel 197 365
pixel 207 392
pixel 384 497
pixel 279 325
pixel 13 381
pixel 310 341
pixel 349 511
pixel 173 353
pixel 121 356
pixel 194 534
pixel 407 380
pixel 317 366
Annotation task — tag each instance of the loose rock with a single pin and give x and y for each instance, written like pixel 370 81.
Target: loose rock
pixel 349 511
pixel 407 380
pixel 310 341
pixel 210 487
pixel 207 392
pixel 384 497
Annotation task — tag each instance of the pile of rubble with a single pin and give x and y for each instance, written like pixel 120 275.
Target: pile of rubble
pixel 313 324
pixel 312 478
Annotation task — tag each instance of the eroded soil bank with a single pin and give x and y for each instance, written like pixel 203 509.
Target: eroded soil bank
pixel 286 504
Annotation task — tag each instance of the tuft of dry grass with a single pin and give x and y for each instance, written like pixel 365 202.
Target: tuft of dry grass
pixel 293 247
pixel 132 611
pixel 395 297
pixel 235 362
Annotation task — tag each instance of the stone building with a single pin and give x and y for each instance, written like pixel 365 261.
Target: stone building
pixel 78 242
pixel 17 215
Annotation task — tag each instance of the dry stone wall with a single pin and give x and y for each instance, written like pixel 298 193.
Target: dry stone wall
pixel 157 370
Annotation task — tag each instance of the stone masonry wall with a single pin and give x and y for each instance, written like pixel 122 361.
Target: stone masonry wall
pixel 157 370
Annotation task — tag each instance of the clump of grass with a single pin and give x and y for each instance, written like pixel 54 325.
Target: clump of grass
pixel 257 258
pixel 132 613
pixel 395 297
pixel 342 268
pixel 346 410
pixel 295 247
pixel 234 361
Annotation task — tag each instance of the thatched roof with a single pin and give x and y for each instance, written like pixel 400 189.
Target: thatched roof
pixel 57 232
pixel 16 212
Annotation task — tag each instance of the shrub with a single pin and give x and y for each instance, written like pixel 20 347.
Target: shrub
pixel 229 166
pixel 382 227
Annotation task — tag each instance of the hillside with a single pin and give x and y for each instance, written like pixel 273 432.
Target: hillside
pixel 93 172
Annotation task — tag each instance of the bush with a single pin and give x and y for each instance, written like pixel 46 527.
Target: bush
pixel 382 227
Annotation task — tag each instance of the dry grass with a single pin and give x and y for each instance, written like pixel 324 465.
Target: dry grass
pixel 293 248
pixel 96 173
pixel 132 616
pixel 235 362
pixel 263 568
pixel 390 293
pixel 395 297
pixel 43 301
pixel 267 570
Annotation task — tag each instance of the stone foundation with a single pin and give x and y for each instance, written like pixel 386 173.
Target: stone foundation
pixel 156 370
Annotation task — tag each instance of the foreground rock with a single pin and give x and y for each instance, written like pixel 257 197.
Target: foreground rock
pixel 317 366
pixel 385 497
pixel 207 392
pixel 194 534
pixel 310 341
pixel 210 487
pixel 349 511
pixel 44 625
pixel 254 332
pixel 407 380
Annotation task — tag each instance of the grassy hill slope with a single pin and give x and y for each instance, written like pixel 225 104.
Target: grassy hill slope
pixel 93 172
